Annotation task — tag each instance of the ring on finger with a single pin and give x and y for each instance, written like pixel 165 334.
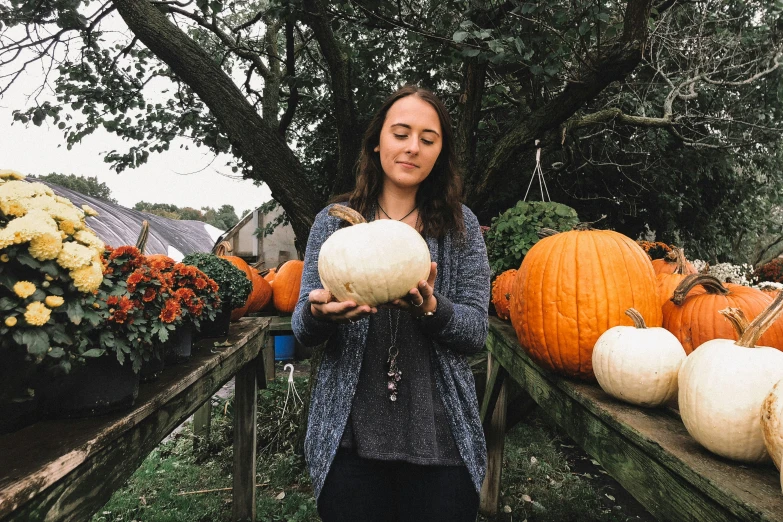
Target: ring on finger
pixel 420 303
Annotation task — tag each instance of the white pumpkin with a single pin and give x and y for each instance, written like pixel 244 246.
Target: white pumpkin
pixel 723 384
pixel 372 263
pixel 637 364
pixel 772 426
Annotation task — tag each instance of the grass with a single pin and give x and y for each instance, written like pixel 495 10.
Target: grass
pixel 544 478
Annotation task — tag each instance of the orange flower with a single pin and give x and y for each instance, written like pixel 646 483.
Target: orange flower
pixel 134 279
pixel 149 294
pixel 171 310
pixel 200 284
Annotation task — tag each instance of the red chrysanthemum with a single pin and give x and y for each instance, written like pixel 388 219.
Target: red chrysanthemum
pixel 171 310
pixel 149 294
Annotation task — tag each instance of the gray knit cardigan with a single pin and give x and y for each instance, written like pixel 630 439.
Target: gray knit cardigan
pixel 463 278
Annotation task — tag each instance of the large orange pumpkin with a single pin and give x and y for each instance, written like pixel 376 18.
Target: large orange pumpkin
pixel 695 319
pixel 261 294
pixel 674 262
pixel 668 281
pixel 287 283
pixel 501 292
pixel 574 286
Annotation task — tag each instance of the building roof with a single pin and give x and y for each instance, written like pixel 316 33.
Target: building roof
pixel 117 225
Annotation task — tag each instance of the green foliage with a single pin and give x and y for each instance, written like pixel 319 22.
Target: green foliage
pixel 223 218
pixel 88 186
pixel 234 285
pixel 514 232
pixel 771 271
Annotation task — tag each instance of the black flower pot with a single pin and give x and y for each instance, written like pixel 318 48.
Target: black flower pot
pixel 18 404
pixel 153 367
pixel 99 386
pixel 218 327
pixel 179 345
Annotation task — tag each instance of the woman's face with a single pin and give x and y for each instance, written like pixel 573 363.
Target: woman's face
pixel 411 141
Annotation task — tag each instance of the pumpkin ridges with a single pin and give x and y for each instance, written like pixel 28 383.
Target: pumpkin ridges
pixel 287 285
pixel 566 295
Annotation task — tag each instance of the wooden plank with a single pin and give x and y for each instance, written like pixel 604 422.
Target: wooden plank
pixel 490 390
pixel 280 325
pixel 67 469
pixel 648 451
pixel 202 422
pixel 496 434
pixel 269 358
pixel 245 401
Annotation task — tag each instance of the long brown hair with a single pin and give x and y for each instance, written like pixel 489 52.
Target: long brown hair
pixel 439 198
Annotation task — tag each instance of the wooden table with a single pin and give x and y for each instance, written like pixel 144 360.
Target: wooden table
pixel 61 470
pixel 648 451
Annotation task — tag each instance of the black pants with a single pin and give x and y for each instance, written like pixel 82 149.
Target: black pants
pixel 366 490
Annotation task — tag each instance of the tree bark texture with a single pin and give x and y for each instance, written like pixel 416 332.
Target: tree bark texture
pixel 258 144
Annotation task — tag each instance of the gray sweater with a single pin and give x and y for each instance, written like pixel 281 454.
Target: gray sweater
pixel 463 277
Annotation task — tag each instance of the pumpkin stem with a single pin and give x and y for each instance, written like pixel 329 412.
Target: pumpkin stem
pixel 636 317
pixel 678 255
pixel 546 232
pixel 710 283
pixel 347 214
pixel 144 234
pixel 759 325
pixel 737 319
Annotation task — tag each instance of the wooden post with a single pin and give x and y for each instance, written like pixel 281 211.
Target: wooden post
pixel 201 423
pixel 245 392
pixel 269 357
pixel 495 434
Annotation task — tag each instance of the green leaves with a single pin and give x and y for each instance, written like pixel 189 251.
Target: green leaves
pixel 515 231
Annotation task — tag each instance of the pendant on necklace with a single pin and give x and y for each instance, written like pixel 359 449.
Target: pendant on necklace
pixel 394 374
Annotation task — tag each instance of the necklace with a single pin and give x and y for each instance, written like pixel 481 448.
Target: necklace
pixel 394 374
pixel 389 217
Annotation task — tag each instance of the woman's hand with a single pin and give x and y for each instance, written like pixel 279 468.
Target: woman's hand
pixel 421 298
pixel 324 306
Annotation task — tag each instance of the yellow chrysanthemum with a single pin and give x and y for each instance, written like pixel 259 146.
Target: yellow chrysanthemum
pixel 37 314
pixel 67 226
pixel 89 211
pixel 87 237
pixel 73 256
pixel 24 289
pixel 88 278
pixel 53 301
pixel 14 195
pixel 11 175
pixel 10 321
pixel 46 246
pixel 22 229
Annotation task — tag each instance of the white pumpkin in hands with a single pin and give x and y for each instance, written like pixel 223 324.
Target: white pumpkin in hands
pixel 637 364
pixel 372 263
pixel 723 384
pixel 772 426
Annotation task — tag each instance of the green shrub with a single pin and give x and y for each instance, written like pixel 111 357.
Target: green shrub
pixel 234 286
pixel 514 232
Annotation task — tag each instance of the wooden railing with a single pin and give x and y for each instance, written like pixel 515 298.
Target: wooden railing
pixel 63 470
pixel 648 451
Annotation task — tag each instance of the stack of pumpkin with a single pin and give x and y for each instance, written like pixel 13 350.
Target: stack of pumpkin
pixel 589 304
pixel 279 286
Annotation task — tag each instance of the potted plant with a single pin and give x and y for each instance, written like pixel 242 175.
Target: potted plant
pixel 50 267
pixel 233 288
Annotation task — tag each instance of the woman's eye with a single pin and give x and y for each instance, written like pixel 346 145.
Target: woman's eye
pixel 400 136
pixel 427 142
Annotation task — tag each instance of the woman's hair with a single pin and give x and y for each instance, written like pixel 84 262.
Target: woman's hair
pixel 439 198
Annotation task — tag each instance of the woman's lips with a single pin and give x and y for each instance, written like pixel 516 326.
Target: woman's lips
pixel 407 165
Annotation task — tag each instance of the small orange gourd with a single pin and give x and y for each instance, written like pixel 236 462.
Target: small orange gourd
pixel 501 292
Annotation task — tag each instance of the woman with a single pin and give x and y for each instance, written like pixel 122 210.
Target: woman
pixel 415 450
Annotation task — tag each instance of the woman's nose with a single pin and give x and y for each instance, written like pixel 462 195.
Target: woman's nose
pixel 413 146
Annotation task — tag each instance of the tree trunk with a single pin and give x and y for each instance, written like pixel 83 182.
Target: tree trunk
pixel 257 144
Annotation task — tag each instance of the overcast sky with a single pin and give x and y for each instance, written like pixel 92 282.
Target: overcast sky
pixel 183 178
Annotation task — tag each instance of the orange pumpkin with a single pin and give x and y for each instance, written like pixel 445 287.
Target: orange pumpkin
pixel 674 262
pixel 269 276
pixel 501 292
pixel 286 287
pixel 261 294
pixel 668 281
pixel 574 286
pixel 695 319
